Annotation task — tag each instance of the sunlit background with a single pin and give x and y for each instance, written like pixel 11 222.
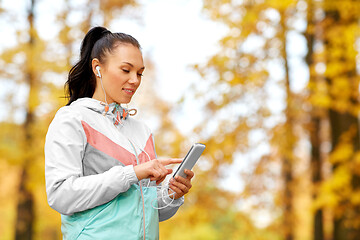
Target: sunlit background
pixel 270 86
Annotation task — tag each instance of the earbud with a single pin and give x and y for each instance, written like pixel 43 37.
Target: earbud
pixel 99 75
pixel 98 71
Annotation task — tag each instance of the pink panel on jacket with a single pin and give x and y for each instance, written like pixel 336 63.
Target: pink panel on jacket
pixel 106 145
pixel 149 148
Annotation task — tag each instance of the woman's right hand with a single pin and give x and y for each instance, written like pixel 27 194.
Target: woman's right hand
pixel 155 169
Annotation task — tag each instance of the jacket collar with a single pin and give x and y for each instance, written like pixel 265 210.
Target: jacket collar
pixel 116 111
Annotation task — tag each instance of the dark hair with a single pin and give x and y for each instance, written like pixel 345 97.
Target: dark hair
pixel 97 43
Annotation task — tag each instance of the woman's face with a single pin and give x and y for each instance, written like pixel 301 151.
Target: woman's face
pixel 121 74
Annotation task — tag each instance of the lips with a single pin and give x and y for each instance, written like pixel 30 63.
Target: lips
pixel 129 91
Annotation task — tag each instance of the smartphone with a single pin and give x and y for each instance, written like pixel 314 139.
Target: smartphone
pixel 190 159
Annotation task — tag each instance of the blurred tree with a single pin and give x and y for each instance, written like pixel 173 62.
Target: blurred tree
pixel 251 113
pixel 342 19
pixel 317 113
pixel 30 65
pixel 287 155
pixel 242 75
pixel 25 206
pixel 193 220
pixel 259 33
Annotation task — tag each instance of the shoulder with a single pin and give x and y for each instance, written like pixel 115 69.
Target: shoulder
pixel 66 119
pixel 67 114
pixel 65 129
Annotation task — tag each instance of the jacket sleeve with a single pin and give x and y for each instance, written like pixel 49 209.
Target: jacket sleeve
pixel 171 209
pixel 68 191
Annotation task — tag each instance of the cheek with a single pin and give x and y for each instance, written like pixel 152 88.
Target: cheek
pixel 114 84
pixel 116 81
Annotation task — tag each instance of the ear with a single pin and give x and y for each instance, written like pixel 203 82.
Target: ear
pixel 95 62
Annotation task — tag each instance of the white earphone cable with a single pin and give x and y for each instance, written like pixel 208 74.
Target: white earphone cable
pixel 103 90
pixel 164 190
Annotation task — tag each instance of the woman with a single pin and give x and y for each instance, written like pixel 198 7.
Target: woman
pixel 101 169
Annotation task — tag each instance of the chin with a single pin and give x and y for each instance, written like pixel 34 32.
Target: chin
pixel 124 101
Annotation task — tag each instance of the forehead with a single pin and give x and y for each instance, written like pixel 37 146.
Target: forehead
pixel 125 53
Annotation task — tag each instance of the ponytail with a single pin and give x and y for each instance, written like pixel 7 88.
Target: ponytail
pixel 96 44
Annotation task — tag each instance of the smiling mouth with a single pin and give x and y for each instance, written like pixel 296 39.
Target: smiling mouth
pixel 129 91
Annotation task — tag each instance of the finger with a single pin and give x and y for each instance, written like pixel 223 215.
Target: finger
pixel 184 181
pixel 170 161
pixel 153 178
pixel 164 171
pixel 180 186
pixel 172 193
pixel 180 179
pixel 155 174
pixel 189 173
pixel 160 180
pixel 178 192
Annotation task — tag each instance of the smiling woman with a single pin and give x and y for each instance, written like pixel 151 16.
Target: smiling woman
pixel 118 56
pixel 120 74
pixel 101 169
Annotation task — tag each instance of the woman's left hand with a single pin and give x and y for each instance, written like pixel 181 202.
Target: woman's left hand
pixel 180 185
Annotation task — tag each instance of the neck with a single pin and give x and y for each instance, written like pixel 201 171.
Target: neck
pixel 101 97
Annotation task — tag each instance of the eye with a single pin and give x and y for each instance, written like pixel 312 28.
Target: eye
pixel 140 74
pixel 125 70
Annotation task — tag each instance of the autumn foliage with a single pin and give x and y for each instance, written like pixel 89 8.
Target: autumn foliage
pixel 279 105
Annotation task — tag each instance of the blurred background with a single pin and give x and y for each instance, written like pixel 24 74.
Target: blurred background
pixel 270 86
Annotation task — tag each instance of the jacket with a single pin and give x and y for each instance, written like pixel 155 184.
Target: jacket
pixel 90 178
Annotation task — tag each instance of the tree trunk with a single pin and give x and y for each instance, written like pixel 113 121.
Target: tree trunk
pixel 318 229
pixel 315 125
pixel 287 164
pixel 25 206
pixel 25 213
pixel 341 121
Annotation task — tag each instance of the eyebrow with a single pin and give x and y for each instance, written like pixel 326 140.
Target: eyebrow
pixel 133 65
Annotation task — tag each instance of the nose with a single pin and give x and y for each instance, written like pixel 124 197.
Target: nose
pixel 134 79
